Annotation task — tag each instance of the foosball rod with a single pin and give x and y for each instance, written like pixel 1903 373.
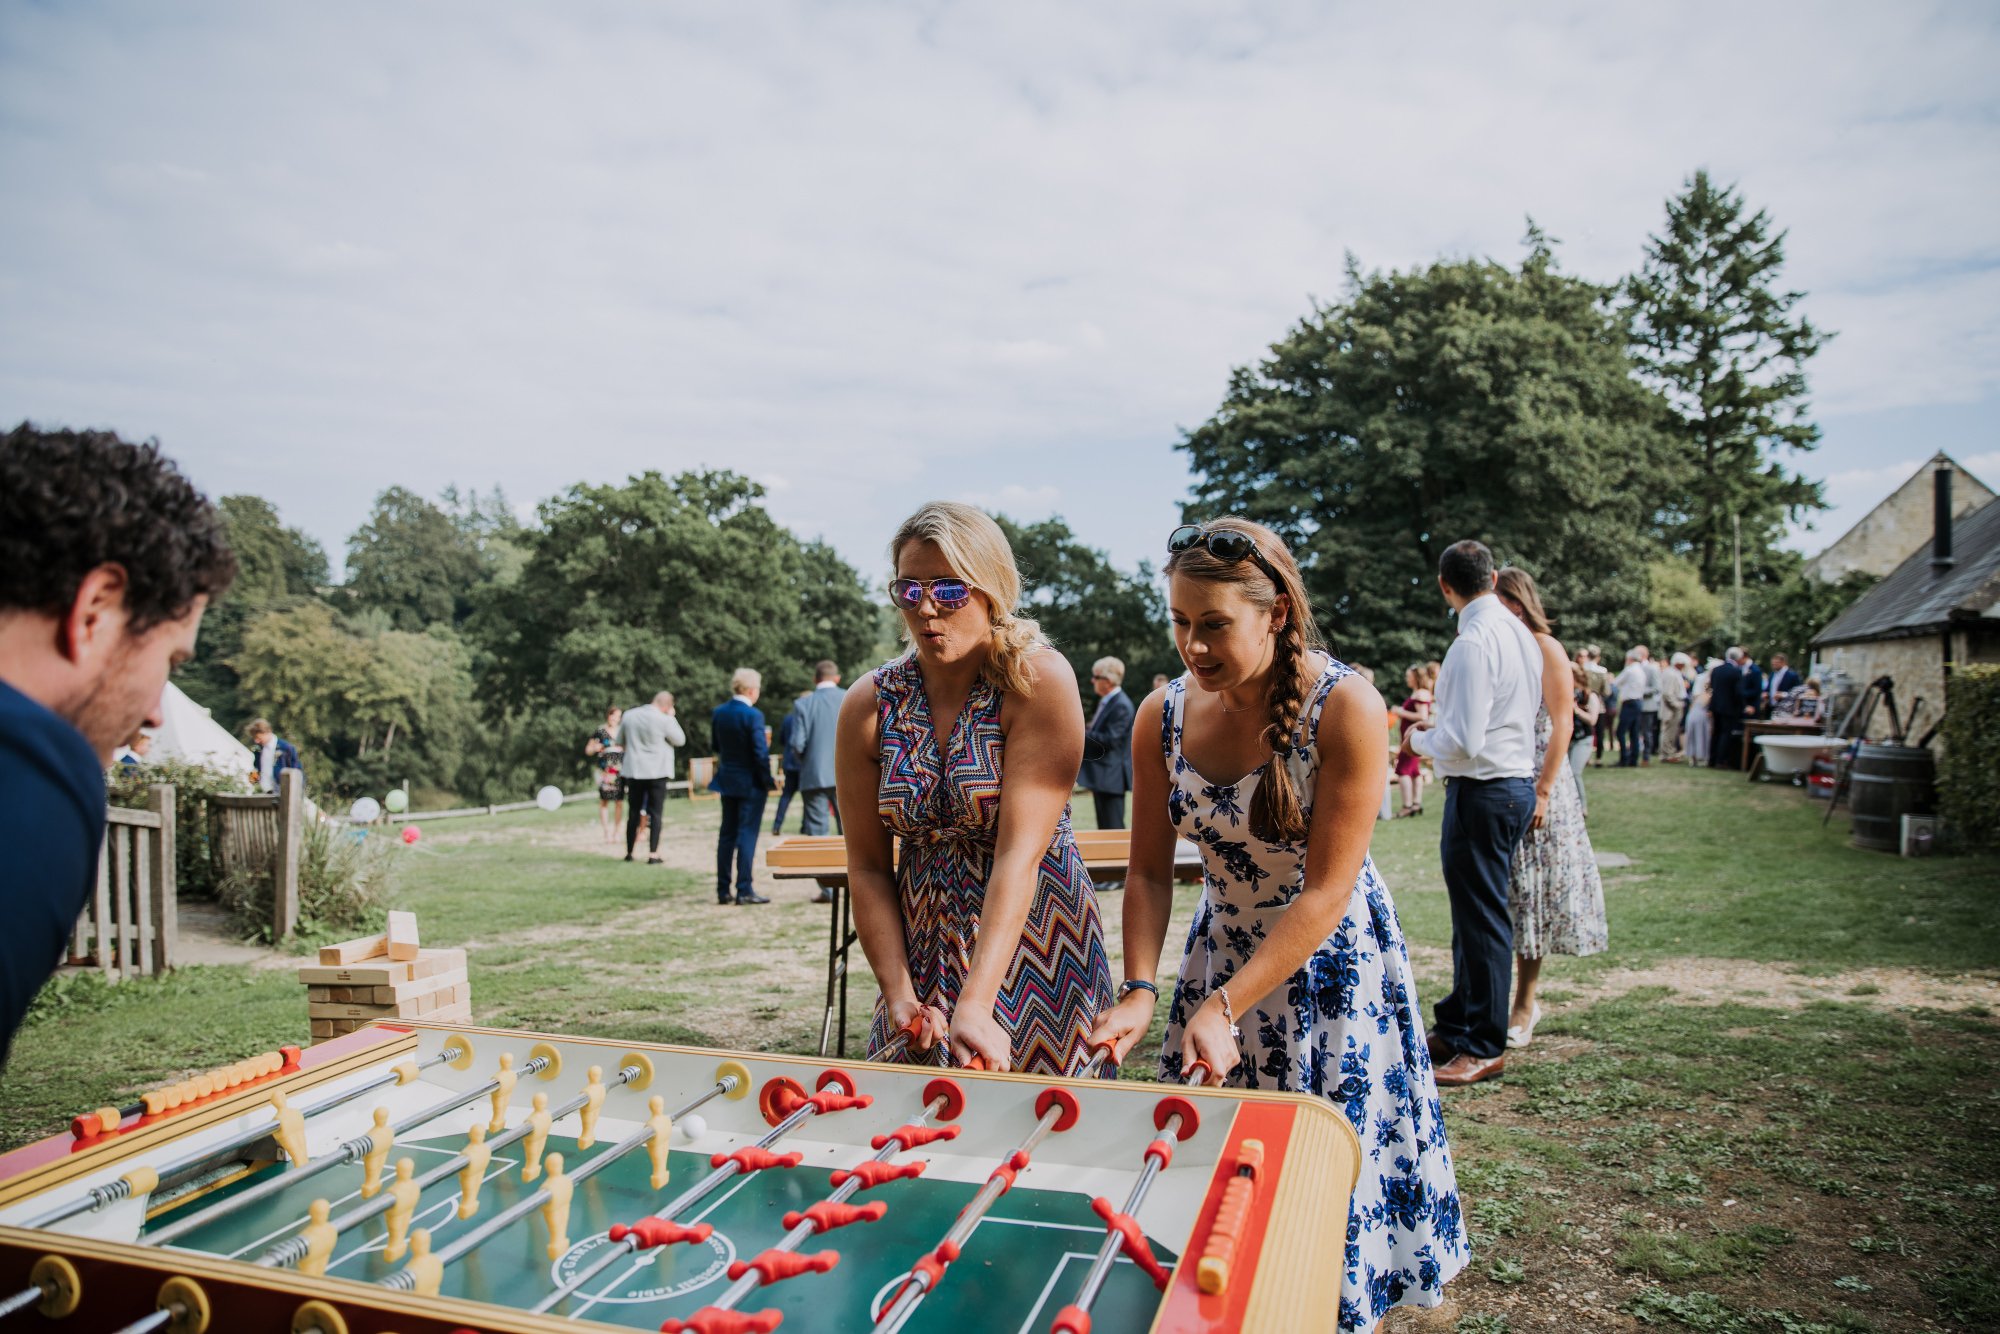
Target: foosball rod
pixel 807 1226
pixel 290 1251
pixel 353 1151
pixel 623 1247
pixel 920 1281
pixel 405 1279
pixel 99 1196
pixel 1075 1318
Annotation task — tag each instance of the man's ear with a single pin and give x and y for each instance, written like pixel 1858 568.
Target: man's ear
pixel 96 615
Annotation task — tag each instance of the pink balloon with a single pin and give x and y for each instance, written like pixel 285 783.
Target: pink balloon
pixel 411 833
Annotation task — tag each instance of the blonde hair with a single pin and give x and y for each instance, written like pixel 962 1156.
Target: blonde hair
pixel 1518 584
pixel 1275 813
pixel 744 680
pixel 1110 668
pixel 977 551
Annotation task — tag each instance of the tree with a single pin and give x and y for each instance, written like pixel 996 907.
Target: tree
pixel 1461 400
pixel 654 585
pixel 1682 612
pixel 411 560
pixel 1088 607
pixel 1785 615
pixel 276 566
pixel 1719 344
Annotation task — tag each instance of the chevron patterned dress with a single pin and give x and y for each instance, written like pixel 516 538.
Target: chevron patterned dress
pixel 944 803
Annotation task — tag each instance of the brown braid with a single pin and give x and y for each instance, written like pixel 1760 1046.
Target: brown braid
pixel 1275 813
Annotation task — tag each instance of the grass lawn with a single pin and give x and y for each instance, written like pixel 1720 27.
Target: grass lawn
pixel 1710 1130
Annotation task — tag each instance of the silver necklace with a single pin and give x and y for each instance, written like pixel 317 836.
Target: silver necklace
pixel 1226 709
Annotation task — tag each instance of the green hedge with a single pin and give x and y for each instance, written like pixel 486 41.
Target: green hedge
pixel 1969 769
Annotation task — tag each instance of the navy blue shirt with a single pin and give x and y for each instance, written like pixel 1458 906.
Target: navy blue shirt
pixel 51 826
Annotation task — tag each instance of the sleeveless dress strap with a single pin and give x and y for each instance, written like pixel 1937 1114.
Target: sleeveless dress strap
pixel 1330 676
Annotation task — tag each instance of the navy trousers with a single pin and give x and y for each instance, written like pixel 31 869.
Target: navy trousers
pixel 1110 809
pixel 644 796
pixel 785 800
pixel 1631 734
pixel 1483 824
pixel 742 818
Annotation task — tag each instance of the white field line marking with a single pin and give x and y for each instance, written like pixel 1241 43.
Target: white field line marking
pixel 1050 1287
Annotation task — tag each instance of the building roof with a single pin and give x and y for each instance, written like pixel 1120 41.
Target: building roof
pixel 1898 526
pixel 1914 601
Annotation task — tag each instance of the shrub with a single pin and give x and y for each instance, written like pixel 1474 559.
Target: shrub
pixel 196 870
pixel 346 876
pixel 1969 768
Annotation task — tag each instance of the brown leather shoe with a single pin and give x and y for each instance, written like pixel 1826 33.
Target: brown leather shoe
pixel 1439 1049
pixel 1466 1068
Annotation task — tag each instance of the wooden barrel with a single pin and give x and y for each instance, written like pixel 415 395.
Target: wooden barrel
pixel 1889 782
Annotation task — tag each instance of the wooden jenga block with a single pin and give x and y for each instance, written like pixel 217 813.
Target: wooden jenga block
pixel 322 1028
pixel 354 951
pixel 402 936
pixel 314 994
pixel 375 973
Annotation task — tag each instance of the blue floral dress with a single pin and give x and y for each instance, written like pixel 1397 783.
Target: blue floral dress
pixel 1346 1026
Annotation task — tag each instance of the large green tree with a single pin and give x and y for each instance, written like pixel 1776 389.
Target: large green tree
pixel 1464 399
pixel 276 566
pixel 414 562
pixel 1089 607
pixel 1711 332
pixel 657 584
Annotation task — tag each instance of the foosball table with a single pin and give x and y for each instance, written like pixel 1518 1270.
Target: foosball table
pixel 429 1179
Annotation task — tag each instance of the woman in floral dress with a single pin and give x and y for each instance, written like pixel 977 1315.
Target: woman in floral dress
pixel 1268 755
pixel 1554 893
pixel 987 925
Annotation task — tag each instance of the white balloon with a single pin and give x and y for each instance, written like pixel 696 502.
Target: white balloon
pixel 549 798
pixel 692 1126
pixel 365 810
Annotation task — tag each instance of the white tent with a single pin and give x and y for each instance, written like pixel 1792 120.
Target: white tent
pixel 189 735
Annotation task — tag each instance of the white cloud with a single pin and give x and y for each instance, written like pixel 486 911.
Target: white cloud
pixel 891 252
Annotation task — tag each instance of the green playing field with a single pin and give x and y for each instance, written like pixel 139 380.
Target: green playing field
pixel 1022 1264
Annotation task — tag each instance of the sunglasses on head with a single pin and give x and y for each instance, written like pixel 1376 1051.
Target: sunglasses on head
pixel 949 593
pixel 1225 544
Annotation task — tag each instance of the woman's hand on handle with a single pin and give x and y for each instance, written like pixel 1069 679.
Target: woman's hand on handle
pixel 975 1032
pixel 1124 1024
pixel 1207 1040
pixel 929 1032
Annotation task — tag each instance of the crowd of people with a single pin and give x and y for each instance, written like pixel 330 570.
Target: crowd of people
pixel 1681 712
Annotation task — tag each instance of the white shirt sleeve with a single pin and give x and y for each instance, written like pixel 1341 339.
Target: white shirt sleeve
pixel 1464 704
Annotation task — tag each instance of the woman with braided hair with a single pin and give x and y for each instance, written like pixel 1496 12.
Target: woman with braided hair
pixel 1268 755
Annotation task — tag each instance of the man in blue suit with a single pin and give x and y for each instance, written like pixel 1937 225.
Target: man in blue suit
pixel 814 720
pixel 1781 680
pixel 743 778
pixel 1725 710
pixel 1106 772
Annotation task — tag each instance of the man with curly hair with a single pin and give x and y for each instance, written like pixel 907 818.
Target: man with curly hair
pixel 108 557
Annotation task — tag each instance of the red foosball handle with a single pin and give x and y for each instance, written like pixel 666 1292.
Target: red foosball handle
pixel 826 1215
pixel 651 1232
pixel 754 1159
pixel 915 1137
pixel 1192 1078
pixel 713 1320
pixel 1131 1240
pixel 871 1173
pixel 775 1266
pixel 1071 1320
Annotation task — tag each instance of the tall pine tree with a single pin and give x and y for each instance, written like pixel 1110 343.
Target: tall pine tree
pixel 1714 337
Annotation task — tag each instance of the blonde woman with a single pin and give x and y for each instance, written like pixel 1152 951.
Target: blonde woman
pixel 1554 894
pixel 1268 756
pixel 987 925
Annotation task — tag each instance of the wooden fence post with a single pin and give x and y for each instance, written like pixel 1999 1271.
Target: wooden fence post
pixel 164 888
pixel 291 839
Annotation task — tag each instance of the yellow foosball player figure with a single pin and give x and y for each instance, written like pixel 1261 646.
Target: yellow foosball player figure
pixel 320 1236
pixel 477 1155
pixel 556 1212
pixel 405 1190
pixel 503 1090
pixel 538 1137
pixel 656 1148
pixel 427 1268
pixel 383 1139
pixel 291 1131
pixel 593 1093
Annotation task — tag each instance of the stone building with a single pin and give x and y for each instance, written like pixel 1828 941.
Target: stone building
pixel 1899 525
pixel 1939 607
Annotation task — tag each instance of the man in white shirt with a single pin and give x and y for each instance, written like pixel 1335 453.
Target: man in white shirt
pixel 1481 741
pixel 1649 708
pixel 1631 686
pixel 648 734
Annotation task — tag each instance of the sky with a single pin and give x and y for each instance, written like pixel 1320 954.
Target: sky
pixel 877 253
